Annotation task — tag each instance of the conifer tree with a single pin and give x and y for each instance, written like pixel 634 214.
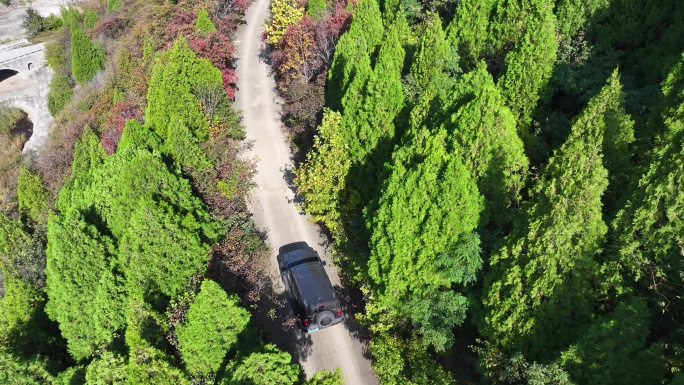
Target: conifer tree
pixel 539 290
pixel 467 32
pixel 485 137
pixel 529 66
pixel 432 56
pixel 87 308
pixel 175 77
pixel 422 241
pixel 203 24
pixel 648 229
pixel 367 22
pixel 32 196
pixel 573 15
pixel 350 61
pixel 86 57
pixel 271 366
pixel 211 327
pixel 615 347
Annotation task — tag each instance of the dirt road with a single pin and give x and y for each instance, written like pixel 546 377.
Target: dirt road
pixel 273 207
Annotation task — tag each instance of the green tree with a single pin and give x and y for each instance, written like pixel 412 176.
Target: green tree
pixel 486 139
pixel 431 57
pixel 617 140
pixel 573 15
pixel 86 58
pixel 350 63
pixel 614 348
pixel 647 231
pixel 19 306
pixel 204 25
pixel 80 296
pixel 467 32
pixel 322 177
pixel 17 371
pixel 422 241
pixel 60 93
pixel 90 18
pixel 175 76
pixel 401 361
pixel 211 328
pixel 367 22
pixel 529 66
pixel 270 366
pixel 108 368
pixel 113 5
pixel 32 196
pixel 539 290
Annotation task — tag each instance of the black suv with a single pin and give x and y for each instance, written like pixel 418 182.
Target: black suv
pixel 315 304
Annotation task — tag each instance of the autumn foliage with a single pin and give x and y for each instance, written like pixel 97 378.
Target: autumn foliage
pixel 114 125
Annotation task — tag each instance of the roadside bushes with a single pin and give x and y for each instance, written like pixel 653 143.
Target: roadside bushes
pixel 86 57
pixel 60 93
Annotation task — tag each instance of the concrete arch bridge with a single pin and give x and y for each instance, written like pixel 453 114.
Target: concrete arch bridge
pixel 25 83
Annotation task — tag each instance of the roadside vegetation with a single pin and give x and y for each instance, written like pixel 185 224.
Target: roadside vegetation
pixel 502 181
pixel 126 250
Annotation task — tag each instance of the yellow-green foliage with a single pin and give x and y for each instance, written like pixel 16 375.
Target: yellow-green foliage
pixel 284 13
pixel 212 326
pixel 32 196
pixel 203 23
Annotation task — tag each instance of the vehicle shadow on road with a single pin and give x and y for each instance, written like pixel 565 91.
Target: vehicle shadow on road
pixel 275 315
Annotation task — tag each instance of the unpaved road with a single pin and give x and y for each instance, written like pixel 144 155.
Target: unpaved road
pixel 273 207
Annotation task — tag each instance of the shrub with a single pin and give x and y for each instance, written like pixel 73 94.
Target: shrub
pixel 110 27
pixel 60 93
pixel 90 19
pixel 86 57
pixel 5 2
pixel 203 23
pixel 32 197
pixel 113 5
pixel 33 22
pixel 55 55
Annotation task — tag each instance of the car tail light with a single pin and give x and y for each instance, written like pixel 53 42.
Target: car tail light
pixel 339 313
pixel 305 322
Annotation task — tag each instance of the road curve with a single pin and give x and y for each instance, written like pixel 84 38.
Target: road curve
pixel 272 201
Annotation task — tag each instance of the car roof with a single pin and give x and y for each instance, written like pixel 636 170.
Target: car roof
pixel 313 283
pixel 295 256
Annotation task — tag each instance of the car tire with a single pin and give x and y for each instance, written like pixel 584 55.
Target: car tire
pixel 325 319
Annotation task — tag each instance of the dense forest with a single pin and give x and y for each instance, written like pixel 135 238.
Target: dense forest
pixel 501 180
pixel 127 254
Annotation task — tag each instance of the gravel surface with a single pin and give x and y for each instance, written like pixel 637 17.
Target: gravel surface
pixel 275 213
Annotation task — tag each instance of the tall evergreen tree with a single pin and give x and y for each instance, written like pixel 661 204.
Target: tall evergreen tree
pixel 539 290
pixel 467 32
pixel 432 56
pixel 212 325
pixel 530 65
pixel 175 77
pixel 80 296
pixel 422 241
pixel 648 230
pixel 367 22
pixel 486 139
pixel 615 347
pixel 86 57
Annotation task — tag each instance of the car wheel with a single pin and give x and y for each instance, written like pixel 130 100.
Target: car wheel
pixel 324 319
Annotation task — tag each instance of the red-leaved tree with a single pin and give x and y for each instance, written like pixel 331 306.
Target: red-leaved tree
pixel 116 120
pixel 219 50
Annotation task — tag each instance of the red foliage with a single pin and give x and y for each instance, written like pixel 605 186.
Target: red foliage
pixel 114 125
pixel 182 22
pixel 110 27
pixel 216 48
